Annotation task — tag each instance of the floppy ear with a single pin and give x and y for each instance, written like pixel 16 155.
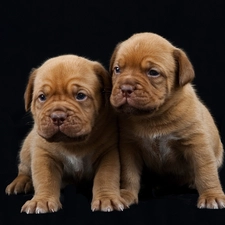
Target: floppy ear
pixel 113 57
pixel 184 67
pixel 29 90
pixel 104 79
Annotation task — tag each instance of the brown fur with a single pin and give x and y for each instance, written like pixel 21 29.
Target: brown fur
pixel 163 123
pixel 79 144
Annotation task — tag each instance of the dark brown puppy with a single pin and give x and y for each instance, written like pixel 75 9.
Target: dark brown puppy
pixel 163 123
pixel 71 138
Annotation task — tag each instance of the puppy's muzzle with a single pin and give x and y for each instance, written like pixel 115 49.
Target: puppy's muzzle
pixel 58 117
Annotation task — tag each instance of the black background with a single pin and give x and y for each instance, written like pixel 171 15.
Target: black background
pixel 33 31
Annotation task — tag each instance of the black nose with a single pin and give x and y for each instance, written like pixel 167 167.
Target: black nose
pixel 127 89
pixel 58 117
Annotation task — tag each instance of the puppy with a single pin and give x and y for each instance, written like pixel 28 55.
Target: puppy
pixel 74 135
pixel 163 123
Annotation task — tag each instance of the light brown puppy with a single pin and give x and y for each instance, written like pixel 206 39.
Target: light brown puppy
pixel 71 137
pixel 163 123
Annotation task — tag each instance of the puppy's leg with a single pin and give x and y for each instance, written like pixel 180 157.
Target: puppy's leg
pixel 46 175
pixel 131 166
pixel 106 188
pixel 207 182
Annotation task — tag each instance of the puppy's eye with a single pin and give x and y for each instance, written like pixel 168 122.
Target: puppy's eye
pixel 81 96
pixel 153 73
pixel 42 98
pixel 117 70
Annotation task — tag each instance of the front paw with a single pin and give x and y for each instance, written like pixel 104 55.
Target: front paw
pixel 211 201
pixel 41 205
pixel 129 197
pixel 107 203
pixel 21 184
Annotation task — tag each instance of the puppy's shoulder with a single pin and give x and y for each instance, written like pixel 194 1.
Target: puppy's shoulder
pixel 30 139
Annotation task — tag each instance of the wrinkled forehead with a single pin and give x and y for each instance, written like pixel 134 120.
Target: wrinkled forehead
pixel 136 50
pixel 62 74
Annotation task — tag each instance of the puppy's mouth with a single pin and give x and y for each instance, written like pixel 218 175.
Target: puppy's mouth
pixel 127 101
pixel 61 137
pixel 58 127
pixel 131 110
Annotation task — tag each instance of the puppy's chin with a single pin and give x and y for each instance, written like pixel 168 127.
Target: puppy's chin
pixel 61 137
pixel 133 111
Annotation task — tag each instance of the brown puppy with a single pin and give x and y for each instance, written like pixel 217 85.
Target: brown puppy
pixel 163 123
pixel 71 137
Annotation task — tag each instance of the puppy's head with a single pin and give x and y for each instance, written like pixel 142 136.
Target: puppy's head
pixel 146 69
pixel 65 96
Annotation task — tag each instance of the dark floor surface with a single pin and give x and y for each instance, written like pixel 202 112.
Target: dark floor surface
pixel 177 208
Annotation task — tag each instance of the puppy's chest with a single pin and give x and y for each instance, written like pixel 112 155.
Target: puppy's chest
pixel 77 166
pixel 160 148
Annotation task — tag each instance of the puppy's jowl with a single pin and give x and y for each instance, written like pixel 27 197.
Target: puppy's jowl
pixel 71 138
pixel 163 124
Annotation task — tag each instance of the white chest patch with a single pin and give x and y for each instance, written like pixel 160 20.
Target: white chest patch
pixel 73 165
pixel 158 146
